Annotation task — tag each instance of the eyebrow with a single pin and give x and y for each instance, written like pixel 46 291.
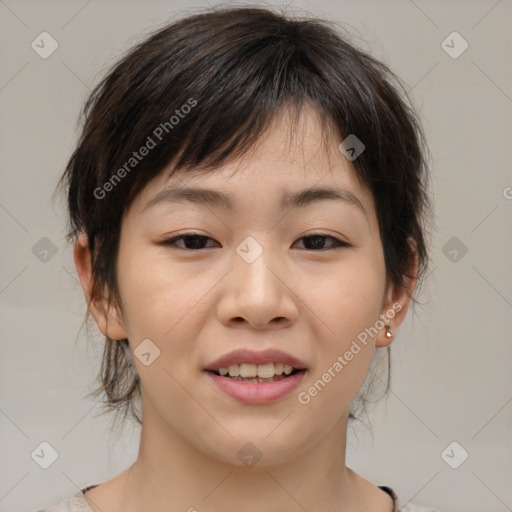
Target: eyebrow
pixel 299 199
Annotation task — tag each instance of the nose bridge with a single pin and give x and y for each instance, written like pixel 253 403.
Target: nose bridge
pixel 255 291
pixel 259 289
pixel 254 260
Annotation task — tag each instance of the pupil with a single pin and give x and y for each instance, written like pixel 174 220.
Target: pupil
pixel 197 241
pixel 315 241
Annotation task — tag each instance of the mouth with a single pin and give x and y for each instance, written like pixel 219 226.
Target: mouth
pixel 256 377
pixel 253 373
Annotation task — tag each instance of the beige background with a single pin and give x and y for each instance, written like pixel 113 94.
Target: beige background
pixel 451 360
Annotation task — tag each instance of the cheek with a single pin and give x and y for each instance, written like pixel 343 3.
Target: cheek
pixel 347 301
pixel 156 294
pixel 161 305
pixel 338 376
pixel 346 298
pixel 166 391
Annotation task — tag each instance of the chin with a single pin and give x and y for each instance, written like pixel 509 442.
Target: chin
pixel 259 446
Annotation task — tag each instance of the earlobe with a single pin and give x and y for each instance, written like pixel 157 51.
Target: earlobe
pixel 397 303
pixel 106 316
pixel 392 315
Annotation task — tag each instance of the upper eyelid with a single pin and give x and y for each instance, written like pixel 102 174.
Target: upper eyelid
pixel 173 239
pixel 190 234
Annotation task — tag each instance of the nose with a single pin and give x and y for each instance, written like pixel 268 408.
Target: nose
pixel 259 292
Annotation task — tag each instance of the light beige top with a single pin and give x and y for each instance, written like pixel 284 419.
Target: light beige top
pixel 77 503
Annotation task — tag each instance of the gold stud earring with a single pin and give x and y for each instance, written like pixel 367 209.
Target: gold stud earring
pixel 388 333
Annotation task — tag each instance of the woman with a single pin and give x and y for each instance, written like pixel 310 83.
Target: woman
pixel 246 203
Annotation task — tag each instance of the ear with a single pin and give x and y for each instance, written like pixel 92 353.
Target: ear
pixel 108 320
pixel 396 305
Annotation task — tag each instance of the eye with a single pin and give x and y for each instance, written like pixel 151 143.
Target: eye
pixel 317 240
pixel 196 242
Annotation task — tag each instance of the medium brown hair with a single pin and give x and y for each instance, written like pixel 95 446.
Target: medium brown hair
pixel 241 66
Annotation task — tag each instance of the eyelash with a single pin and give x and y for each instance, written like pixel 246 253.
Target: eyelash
pixel 171 242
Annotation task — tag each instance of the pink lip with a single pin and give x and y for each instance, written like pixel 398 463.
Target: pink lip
pixel 256 392
pixel 250 356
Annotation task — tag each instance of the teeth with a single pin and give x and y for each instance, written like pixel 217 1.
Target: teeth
pixel 262 371
pixel 248 370
pixel 265 371
pixel 234 370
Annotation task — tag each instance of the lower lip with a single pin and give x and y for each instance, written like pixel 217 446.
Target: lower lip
pixel 257 392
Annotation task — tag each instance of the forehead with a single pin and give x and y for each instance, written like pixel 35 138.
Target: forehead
pixel 277 170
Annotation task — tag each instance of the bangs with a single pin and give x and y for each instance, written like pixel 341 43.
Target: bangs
pixel 202 94
pixel 202 91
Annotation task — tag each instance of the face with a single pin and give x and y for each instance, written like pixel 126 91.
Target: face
pixel 294 284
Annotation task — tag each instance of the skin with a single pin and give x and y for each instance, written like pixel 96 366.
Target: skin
pixel 197 306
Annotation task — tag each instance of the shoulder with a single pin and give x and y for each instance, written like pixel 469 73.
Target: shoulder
pixel 402 506
pixel 416 508
pixel 74 503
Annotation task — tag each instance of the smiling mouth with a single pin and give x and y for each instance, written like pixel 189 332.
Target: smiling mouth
pixel 257 384
pixel 253 373
pixel 259 379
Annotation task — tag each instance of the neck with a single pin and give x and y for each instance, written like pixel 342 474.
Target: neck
pixel 171 470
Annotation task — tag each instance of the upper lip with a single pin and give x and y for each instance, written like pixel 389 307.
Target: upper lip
pixel 242 355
